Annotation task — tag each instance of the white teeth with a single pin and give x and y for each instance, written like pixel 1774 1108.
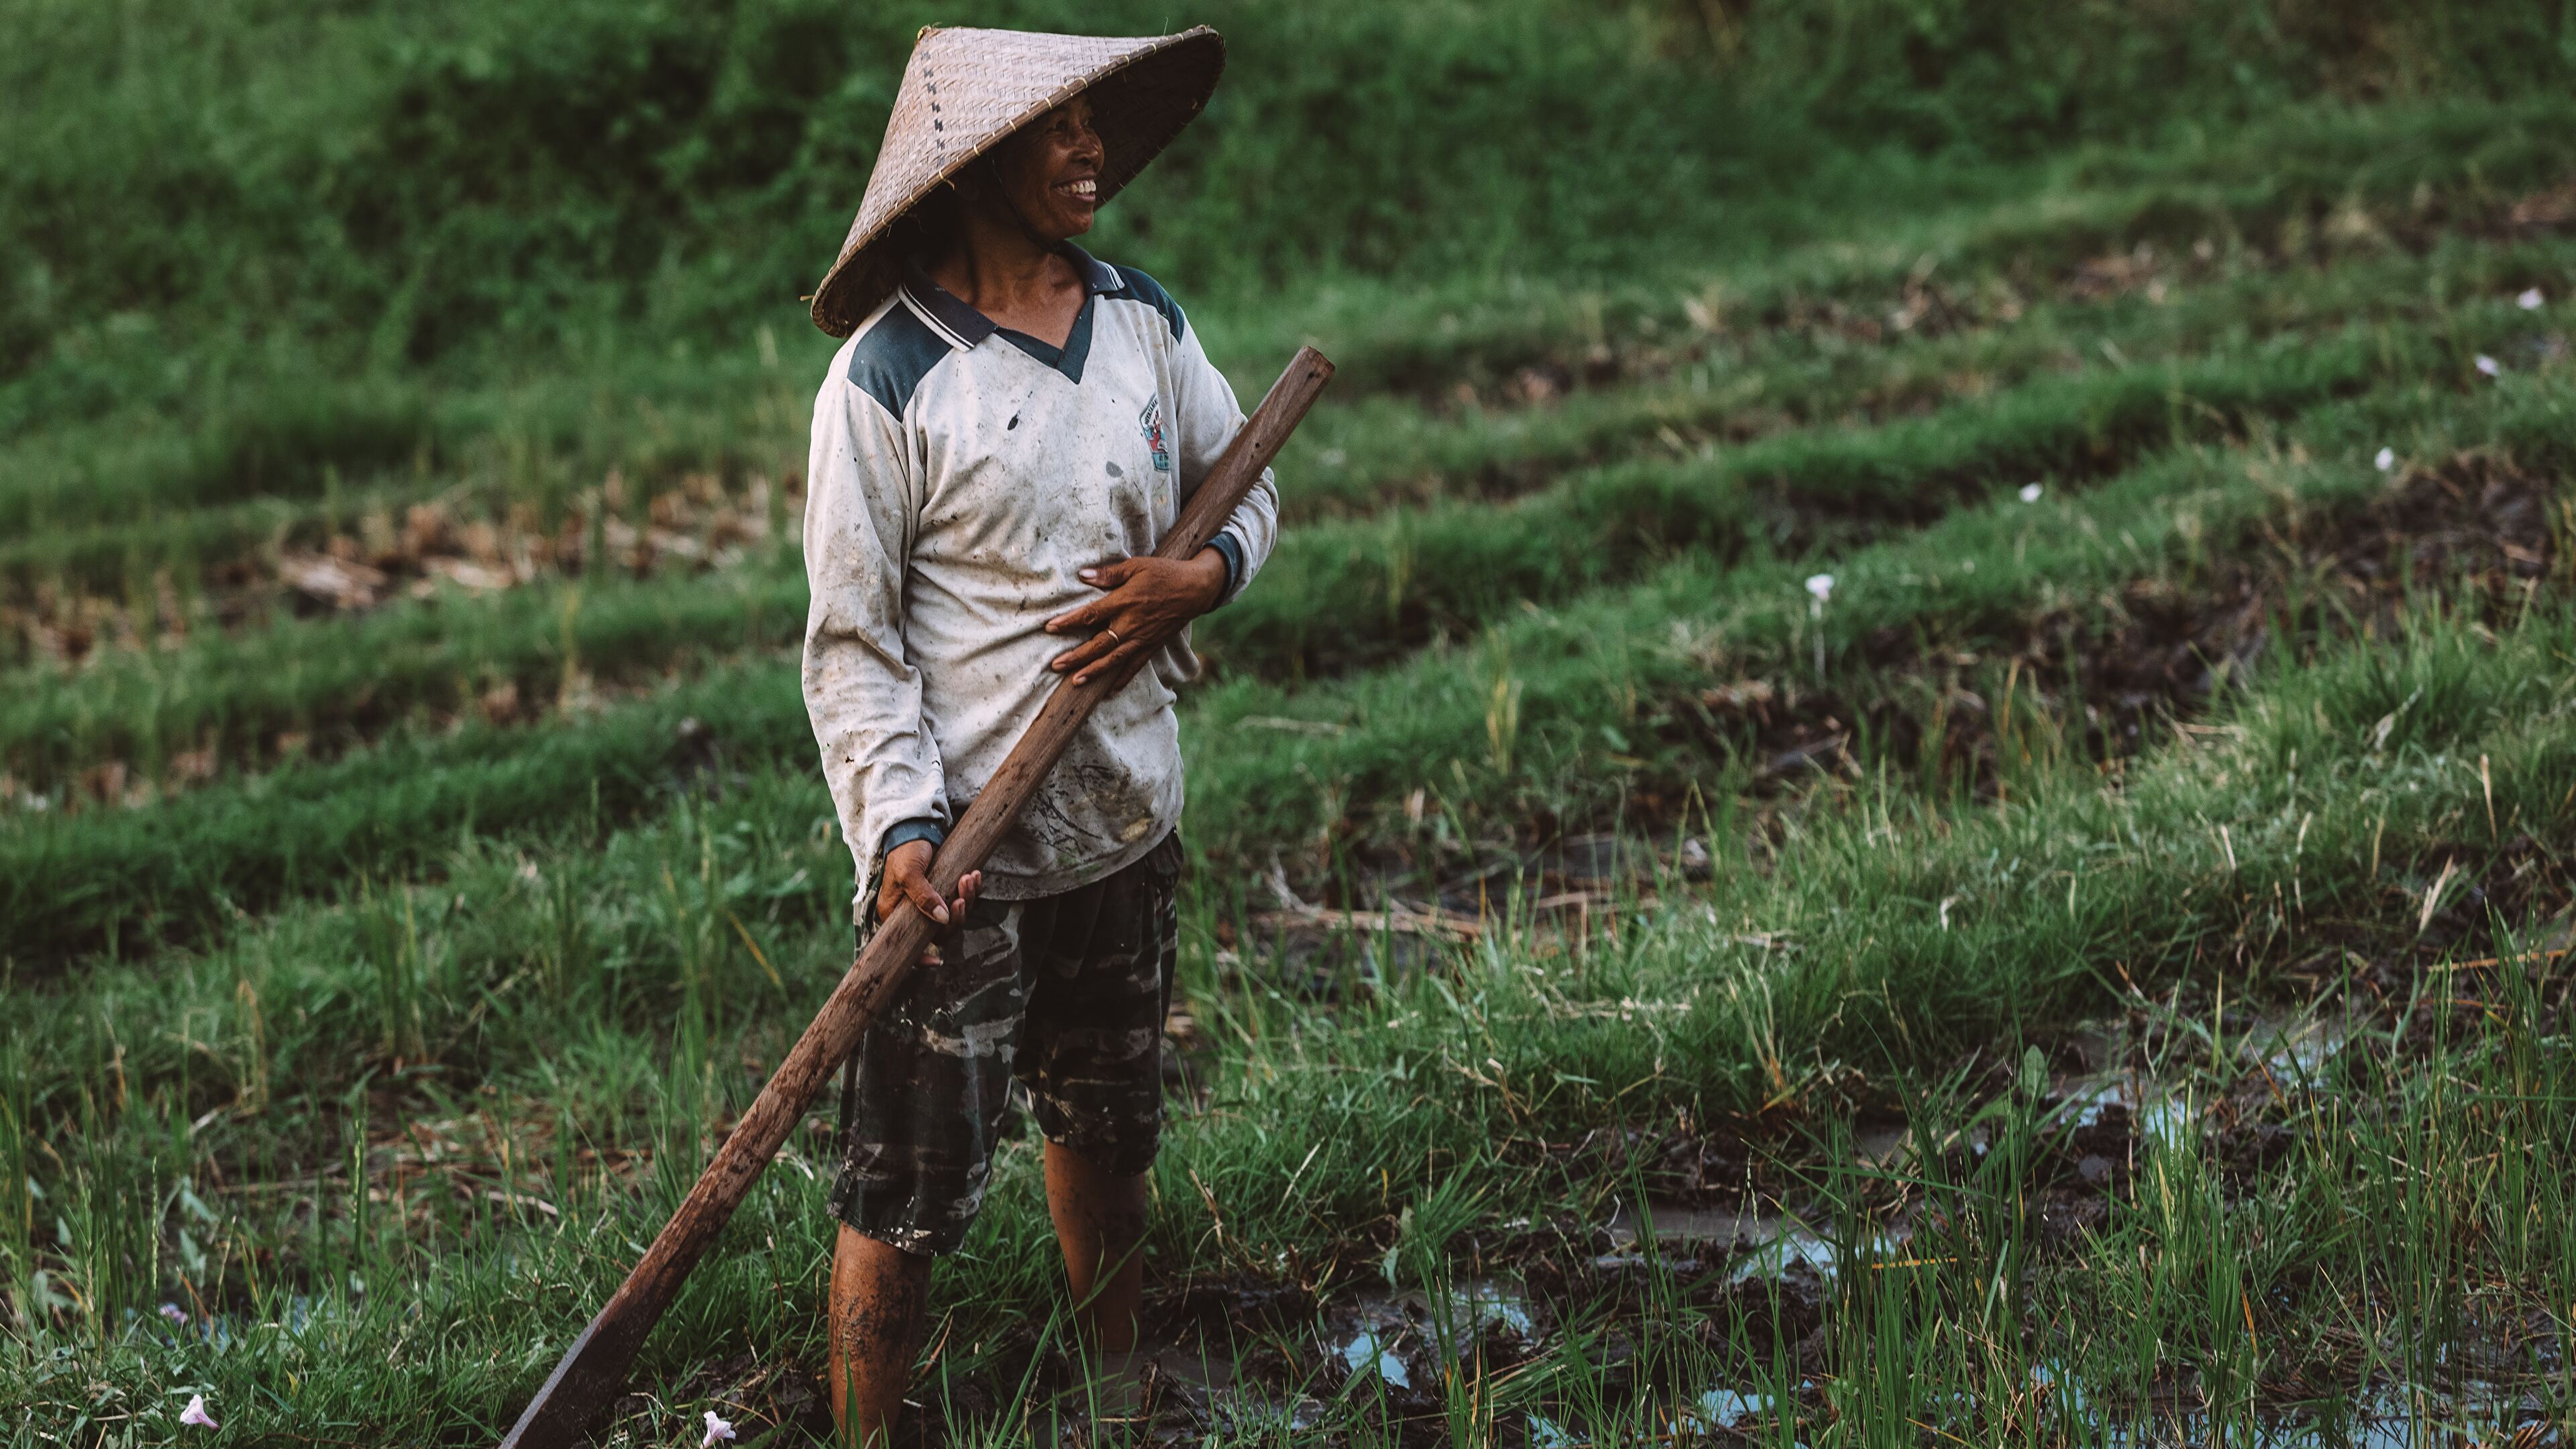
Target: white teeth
pixel 1083 188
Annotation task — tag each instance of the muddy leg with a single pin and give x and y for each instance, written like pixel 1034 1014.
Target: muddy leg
pixel 1099 1222
pixel 877 1295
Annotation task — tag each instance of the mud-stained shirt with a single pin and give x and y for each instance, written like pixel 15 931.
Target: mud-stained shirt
pixel 960 474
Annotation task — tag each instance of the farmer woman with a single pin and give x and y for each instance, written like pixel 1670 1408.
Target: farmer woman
pixel 1003 440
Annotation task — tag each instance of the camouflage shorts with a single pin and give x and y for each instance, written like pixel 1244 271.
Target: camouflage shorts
pixel 1067 994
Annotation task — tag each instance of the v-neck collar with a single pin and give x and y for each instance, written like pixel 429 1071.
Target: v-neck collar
pixel 969 327
pixel 1066 359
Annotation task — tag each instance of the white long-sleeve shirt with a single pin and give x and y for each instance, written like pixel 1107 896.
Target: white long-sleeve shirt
pixel 960 474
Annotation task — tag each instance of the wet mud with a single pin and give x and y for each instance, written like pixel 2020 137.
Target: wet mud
pixel 1740 1236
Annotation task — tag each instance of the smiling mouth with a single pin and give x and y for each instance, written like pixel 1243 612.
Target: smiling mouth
pixel 1084 189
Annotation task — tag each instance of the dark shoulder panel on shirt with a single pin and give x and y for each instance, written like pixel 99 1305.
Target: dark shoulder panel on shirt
pixel 893 356
pixel 1135 286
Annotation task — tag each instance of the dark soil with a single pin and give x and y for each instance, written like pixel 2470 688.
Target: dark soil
pixel 2154 252
pixel 1284 1327
pixel 2104 680
pixel 2099 681
pixel 2164 651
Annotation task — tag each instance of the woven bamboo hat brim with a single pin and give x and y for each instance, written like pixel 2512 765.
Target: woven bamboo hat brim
pixel 965 90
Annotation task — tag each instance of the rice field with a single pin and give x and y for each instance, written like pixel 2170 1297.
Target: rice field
pixel 1953 827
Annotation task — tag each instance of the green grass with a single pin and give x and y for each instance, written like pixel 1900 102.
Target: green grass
pixel 221 693
pixel 1575 716
pixel 1592 687
pixel 539 205
pixel 119 880
pixel 1509 1047
pixel 738 402
pixel 1805 361
pixel 378 979
pixel 475 972
pixel 1448 570
pixel 332 684
pixel 233 693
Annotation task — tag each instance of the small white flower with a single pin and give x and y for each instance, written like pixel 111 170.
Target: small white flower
pixel 2489 365
pixel 2529 301
pixel 2030 493
pixel 195 1414
pixel 716 1429
pixel 1820 587
pixel 2386 459
pixel 174 1313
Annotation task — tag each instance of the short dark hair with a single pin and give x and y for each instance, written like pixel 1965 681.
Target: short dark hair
pixel 935 225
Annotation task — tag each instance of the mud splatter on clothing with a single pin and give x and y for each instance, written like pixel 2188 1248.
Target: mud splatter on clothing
pixel 961 475
pixel 1067 995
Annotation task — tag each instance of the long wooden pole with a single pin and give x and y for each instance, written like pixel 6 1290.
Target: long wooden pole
pixel 594 1368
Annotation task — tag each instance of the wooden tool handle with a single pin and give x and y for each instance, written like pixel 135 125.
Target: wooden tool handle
pixel 594 1368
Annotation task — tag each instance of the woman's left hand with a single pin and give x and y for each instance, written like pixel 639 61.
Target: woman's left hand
pixel 1145 601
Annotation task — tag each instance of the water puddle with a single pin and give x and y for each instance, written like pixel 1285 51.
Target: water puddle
pixel 1715 1411
pixel 1763 1245
pixel 1546 1433
pixel 226 1330
pixel 1794 1248
pixel 2150 1111
pixel 1366 1353
pixel 2389 1418
pixel 1389 1338
pixel 2169 1121
pixel 1723 1409
pixel 2386 1418
pixel 2130 1084
pixel 1204 1386
pixel 1673 1224
pixel 2299 1051
pixel 1484 1306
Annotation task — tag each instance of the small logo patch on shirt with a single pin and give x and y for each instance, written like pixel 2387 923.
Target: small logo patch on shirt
pixel 1150 422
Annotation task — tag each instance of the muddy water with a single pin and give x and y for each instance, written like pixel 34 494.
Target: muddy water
pixel 1369 1353
pixel 2390 1419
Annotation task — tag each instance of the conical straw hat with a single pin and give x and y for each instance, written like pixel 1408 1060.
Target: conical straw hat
pixel 964 90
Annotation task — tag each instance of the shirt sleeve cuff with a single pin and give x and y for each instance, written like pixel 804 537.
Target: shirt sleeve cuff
pixel 1232 552
pixel 905 832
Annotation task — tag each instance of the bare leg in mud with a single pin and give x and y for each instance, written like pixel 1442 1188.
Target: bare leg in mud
pixel 1099 1222
pixel 877 1296
pixel 878 1292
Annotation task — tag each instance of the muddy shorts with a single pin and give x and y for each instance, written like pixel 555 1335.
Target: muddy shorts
pixel 1066 994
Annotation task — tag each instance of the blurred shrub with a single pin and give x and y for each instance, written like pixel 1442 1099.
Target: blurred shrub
pixel 2012 76
pixel 393 184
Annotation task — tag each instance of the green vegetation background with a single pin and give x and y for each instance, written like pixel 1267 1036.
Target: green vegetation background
pixel 250 249
pixel 254 209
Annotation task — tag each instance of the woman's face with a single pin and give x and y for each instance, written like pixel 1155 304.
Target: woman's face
pixel 1050 170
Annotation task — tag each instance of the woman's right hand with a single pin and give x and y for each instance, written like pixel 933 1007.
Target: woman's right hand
pixel 907 878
